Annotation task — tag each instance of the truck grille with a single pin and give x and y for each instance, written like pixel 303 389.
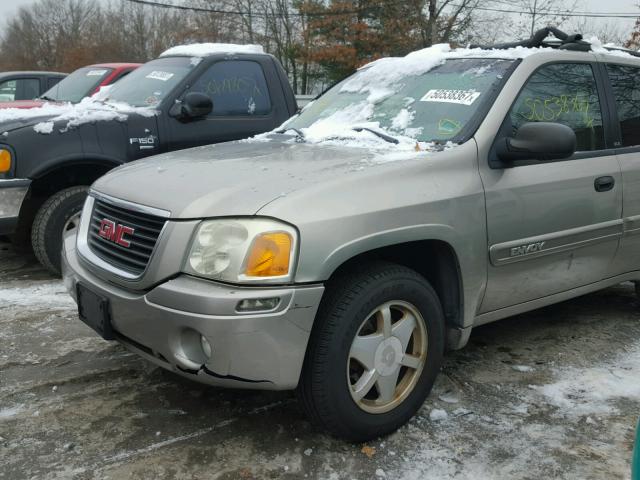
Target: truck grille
pixel 146 230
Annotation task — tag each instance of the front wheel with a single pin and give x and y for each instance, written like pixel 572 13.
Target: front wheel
pixel 375 352
pixel 59 213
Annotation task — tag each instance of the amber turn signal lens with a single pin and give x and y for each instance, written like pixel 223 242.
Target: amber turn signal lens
pixel 269 255
pixel 5 160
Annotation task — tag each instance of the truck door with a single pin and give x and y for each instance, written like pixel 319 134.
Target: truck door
pixel 554 226
pixel 244 104
pixel 625 85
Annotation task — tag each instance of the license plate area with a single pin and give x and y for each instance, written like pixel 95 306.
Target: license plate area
pixel 93 309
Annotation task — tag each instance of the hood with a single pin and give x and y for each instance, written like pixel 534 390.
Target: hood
pixel 68 116
pixel 230 179
pixel 24 104
pixel 17 122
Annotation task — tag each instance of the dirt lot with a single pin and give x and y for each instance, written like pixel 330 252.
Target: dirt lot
pixel 551 394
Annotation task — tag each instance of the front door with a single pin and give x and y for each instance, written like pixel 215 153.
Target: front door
pixel 553 226
pixel 243 105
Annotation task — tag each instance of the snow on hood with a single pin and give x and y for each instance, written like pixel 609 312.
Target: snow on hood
pixel 206 49
pixel 89 110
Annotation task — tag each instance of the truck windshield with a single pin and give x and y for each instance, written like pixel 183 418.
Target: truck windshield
pixel 78 85
pixel 432 106
pixel 150 83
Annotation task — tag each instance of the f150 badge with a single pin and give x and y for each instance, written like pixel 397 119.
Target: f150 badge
pixel 145 143
pixel 527 249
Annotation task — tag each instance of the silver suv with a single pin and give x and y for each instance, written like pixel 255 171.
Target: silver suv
pixel 342 254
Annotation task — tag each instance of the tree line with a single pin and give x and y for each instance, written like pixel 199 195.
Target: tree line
pixel 317 41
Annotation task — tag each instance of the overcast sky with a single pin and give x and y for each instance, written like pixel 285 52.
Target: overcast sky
pixel 10 7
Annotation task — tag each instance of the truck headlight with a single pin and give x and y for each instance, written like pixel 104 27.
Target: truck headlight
pixel 243 250
pixel 5 160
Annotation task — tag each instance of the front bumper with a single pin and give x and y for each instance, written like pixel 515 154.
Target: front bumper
pixel 262 351
pixel 12 194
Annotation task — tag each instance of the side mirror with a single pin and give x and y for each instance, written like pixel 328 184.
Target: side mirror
pixel 538 141
pixel 196 105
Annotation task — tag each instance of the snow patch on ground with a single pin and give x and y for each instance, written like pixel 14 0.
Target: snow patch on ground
pixel 437 415
pixel 586 391
pixel 43 294
pixel 10 412
pixel 205 49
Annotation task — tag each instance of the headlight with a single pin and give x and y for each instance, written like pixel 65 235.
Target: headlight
pixel 5 160
pixel 243 250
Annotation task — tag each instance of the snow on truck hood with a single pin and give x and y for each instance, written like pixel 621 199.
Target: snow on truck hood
pixel 89 110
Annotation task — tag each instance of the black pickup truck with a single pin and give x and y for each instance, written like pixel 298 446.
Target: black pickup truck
pixel 186 98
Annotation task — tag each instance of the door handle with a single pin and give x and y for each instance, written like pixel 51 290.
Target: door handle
pixel 604 184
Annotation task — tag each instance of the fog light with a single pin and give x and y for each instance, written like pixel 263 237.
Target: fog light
pixel 258 304
pixel 206 347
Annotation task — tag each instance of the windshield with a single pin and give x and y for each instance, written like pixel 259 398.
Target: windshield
pixel 432 106
pixel 149 84
pixel 78 85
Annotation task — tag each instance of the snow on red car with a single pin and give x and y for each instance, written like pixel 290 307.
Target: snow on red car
pixel 82 83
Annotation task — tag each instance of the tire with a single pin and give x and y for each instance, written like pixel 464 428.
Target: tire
pixel 327 389
pixel 51 220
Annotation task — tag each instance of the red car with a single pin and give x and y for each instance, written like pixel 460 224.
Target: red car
pixel 82 83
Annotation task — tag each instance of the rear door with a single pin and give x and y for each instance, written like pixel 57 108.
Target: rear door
pixel 554 226
pixel 625 88
pixel 244 104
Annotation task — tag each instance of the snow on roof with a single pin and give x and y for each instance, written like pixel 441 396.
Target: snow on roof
pixel 87 111
pixel 206 49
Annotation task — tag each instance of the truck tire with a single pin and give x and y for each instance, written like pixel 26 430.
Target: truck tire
pixel 358 382
pixel 58 213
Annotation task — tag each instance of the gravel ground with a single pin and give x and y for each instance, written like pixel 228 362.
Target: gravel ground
pixel 550 394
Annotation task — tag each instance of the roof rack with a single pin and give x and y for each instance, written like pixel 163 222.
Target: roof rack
pixel 562 41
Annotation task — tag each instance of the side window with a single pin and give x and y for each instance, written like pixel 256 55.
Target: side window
pixel 236 88
pixel 27 88
pixel 625 82
pixel 563 93
pixel 52 82
pixel 8 91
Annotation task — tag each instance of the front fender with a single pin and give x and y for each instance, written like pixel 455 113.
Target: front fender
pixel 386 238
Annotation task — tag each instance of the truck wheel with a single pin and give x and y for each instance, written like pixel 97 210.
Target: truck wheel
pixel 374 353
pixel 59 213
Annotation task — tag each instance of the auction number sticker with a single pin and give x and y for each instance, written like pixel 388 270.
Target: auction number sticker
pixel 462 97
pixel 158 75
pixel 96 73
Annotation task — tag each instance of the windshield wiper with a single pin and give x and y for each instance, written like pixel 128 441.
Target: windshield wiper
pixel 299 133
pixel 384 136
pixel 49 99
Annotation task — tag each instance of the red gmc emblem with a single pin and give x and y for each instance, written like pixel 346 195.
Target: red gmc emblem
pixel 115 232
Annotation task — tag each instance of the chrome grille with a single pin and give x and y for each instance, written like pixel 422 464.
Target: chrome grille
pixel 142 241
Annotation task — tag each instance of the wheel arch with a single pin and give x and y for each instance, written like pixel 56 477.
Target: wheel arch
pixel 434 258
pixel 62 174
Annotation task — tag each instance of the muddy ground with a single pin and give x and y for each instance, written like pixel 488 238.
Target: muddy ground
pixel 551 394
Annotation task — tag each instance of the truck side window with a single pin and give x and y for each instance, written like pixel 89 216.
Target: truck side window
pixel 564 93
pixel 52 82
pixel 20 89
pixel 625 82
pixel 236 88
pixel 8 91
